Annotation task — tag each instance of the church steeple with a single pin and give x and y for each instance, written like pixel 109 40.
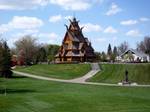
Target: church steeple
pixel 74 26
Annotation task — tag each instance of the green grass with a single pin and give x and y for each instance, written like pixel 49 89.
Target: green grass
pixel 114 73
pixel 62 71
pixel 31 95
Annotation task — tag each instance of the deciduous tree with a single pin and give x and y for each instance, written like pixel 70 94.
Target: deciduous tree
pixel 144 45
pixel 123 47
pixel 27 44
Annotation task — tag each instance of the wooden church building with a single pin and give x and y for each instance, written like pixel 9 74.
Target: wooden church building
pixel 75 47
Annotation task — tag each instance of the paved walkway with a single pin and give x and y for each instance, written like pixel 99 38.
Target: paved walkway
pixel 95 69
pixel 80 80
pixel 92 72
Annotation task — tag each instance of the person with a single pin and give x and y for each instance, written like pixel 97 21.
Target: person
pixel 126 75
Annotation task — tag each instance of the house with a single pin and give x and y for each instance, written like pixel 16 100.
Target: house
pixel 18 59
pixel 131 55
pixel 75 47
pixel 14 60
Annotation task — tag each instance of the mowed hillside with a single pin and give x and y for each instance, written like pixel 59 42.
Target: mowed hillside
pixel 62 71
pixel 114 73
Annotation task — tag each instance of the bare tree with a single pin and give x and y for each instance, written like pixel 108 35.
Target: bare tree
pixel 144 45
pixel 29 47
pixel 123 47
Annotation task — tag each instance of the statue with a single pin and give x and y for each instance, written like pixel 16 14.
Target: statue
pixel 126 76
pixel 126 80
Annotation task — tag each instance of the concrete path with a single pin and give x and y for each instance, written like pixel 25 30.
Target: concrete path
pixel 95 69
pixel 92 72
pixel 80 80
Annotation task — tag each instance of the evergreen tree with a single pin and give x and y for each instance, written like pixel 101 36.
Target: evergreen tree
pixel 5 60
pixel 115 53
pixel 109 52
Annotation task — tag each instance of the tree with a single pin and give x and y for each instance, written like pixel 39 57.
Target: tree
pixel 144 45
pixel 5 60
pixel 98 56
pixel 42 55
pixel 103 57
pixel 115 53
pixel 123 47
pixel 21 57
pixel 28 47
pixel 52 51
pixel 109 52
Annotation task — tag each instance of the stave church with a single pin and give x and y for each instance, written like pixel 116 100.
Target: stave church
pixel 75 47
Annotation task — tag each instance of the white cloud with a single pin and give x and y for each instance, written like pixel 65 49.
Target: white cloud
pixel 89 27
pixel 114 9
pixel 14 38
pixel 41 37
pixel 101 39
pixel 55 18
pixel 33 4
pixel 114 39
pixel 132 22
pixel 31 31
pixel 129 22
pixel 72 4
pixel 3 28
pixel 21 4
pixel 68 17
pixel 48 37
pixel 133 33
pixel 110 29
pixel 24 22
pixel 144 19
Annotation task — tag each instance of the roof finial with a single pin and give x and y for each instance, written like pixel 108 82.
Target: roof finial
pixel 74 17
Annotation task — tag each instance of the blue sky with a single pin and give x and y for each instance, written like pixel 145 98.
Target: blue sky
pixel 104 21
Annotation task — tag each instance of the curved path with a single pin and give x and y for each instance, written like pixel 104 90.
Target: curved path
pixel 95 69
pixel 80 80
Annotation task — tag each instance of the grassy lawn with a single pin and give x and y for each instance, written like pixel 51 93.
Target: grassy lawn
pixel 62 71
pixel 31 95
pixel 114 73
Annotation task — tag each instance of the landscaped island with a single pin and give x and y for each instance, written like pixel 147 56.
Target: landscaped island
pixel 114 73
pixel 62 71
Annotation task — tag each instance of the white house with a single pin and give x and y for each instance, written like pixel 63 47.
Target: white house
pixel 131 55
